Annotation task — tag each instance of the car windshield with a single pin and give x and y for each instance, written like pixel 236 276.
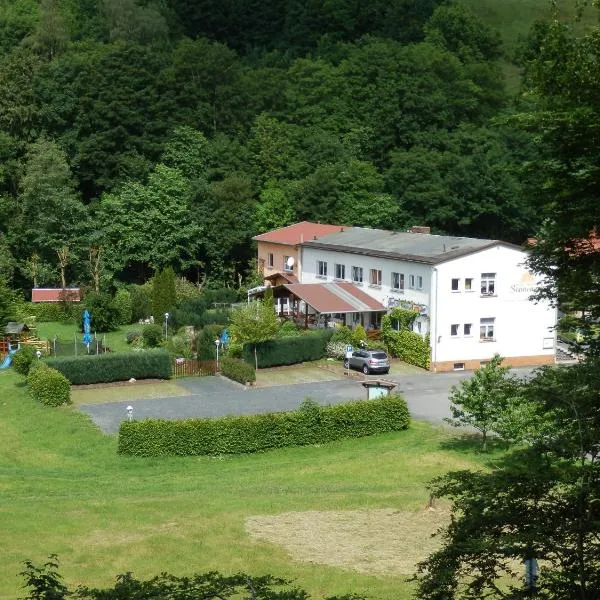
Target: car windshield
pixel 379 355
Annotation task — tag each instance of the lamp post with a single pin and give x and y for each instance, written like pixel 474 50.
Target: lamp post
pixel 129 413
pixel 166 326
pixel 38 354
pixel 217 344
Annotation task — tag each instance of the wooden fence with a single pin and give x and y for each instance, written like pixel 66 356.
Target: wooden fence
pixel 190 367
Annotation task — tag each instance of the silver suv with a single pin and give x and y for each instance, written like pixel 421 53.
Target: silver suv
pixel 368 361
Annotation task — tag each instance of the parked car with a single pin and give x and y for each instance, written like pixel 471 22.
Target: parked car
pixel 368 361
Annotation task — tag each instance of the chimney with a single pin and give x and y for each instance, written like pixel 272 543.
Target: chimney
pixel 314 237
pixel 419 229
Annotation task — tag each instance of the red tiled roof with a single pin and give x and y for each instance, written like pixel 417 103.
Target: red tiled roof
pixel 285 276
pixel 298 233
pixel 340 297
pixel 55 294
pixel 584 246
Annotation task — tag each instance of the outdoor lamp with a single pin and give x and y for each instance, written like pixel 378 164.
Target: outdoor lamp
pixel 130 413
pixel 38 354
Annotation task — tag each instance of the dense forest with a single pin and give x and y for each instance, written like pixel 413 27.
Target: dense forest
pixel 140 135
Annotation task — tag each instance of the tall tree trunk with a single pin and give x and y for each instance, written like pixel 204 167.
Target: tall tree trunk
pixel 63 261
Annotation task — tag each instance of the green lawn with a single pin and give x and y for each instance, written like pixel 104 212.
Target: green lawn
pixel 115 340
pixel 65 490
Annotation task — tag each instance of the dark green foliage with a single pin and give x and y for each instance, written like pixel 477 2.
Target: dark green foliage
pixel 312 424
pixel 238 370
pixel 48 386
pixel 153 335
pixel 45 583
pixel 103 310
pixel 23 358
pixel 164 296
pixel 289 350
pixel 205 341
pixel 288 329
pixel 52 311
pixel 150 364
pixel 401 341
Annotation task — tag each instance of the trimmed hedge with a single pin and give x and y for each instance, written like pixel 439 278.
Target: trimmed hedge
pixel 289 350
pixel 48 386
pixel 151 364
pixel 237 369
pixel 312 424
pixel 23 359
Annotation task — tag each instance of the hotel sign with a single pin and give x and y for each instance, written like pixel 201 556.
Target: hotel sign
pixel 526 285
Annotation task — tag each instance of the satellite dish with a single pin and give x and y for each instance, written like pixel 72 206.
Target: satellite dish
pixel 290 262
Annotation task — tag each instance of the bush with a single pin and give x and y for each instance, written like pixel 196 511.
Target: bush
pixel 405 344
pixel 103 310
pixel 205 341
pixel 23 358
pixel 132 336
pixel 163 293
pixel 336 350
pixel 288 329
pixel 48 386
pixel 180 345
pixel 155 364
pixel 124 306
pixel 152 335
pixel 238 370
pixel 312 424
pixel 141 301
pixel 46 312
pixel 289 350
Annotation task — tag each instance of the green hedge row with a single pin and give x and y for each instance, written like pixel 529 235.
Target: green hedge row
pixel 289 350
pixel 151 364
pixel 48 386
pixel 52 311
pixel 238 370
pixel 312 424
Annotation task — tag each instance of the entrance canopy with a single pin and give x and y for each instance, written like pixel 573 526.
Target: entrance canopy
pixel 340 297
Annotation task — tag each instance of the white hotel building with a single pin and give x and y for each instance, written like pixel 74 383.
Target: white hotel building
pixel 473 295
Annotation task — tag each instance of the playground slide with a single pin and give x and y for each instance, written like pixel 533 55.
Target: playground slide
pixel 7 360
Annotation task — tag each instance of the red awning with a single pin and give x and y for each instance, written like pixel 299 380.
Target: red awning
pixel 340 297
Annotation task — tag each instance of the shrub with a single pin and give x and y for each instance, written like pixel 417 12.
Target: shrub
pixel 234 350
pixel 205 341
pixel 124 306
pixel 238 370
pixel 48 386
pixel 180 345
pixel 406 345
pixel 152 335
pixel 288 329
pixel 44 312
pixel 132 336
pixel 141 301
pixel 342 334
pixel 23 358
pixel 103 310
pixel 336 350
pixel 312 424
pixel 104 368
pixel 289 350
pixel 163 293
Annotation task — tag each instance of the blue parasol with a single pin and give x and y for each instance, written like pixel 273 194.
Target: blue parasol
pixel 87 320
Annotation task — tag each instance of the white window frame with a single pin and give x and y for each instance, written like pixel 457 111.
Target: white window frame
pixel 459 366
pixel 487 325
pixel 322 269
pixel 375 277
pixel 454 329
pixel 339 271
pixel 357 274
pixel 488 284
pixel 419 282
pixel 411 282
pixel 455 285
pixel 400 280
pixel 286 267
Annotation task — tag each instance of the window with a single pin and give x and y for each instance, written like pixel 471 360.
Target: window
pixel 419 282
pixel 467 328
pixel 469 284
pixel 411 282
pixel 455 283
pixel 459 367
pixel 322 268
pixel 486 329
pixel 454 330
pixel 357 274
pixel 419 326
pixel 397 281
pixel 288 263
pixel 488 284
pixel 375 277
pixel 270 260
pixel 340 271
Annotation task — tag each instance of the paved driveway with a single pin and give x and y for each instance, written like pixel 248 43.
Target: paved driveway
pixel 426 395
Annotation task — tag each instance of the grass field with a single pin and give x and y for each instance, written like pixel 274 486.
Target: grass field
pixel 65 490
